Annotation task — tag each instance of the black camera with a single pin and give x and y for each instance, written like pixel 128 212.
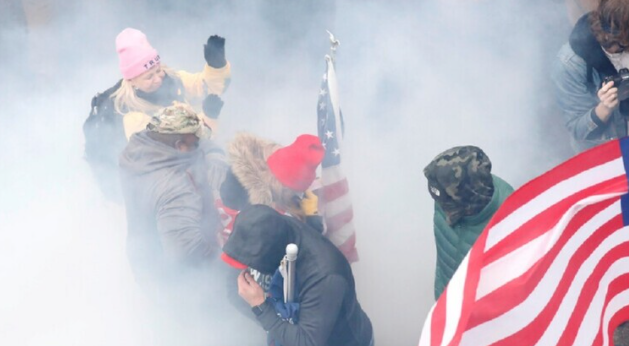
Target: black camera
pixel 621 81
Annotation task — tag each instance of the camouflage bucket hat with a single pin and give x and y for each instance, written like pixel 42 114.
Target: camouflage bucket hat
pixel 178 119
pixel 460 181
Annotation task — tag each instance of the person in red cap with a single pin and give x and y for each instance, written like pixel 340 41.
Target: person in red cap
pixel 263 172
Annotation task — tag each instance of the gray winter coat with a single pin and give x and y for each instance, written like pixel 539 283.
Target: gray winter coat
pixel 171 218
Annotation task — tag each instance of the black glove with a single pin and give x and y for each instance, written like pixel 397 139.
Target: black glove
pixel 233 194
pixel 214 51
pixel 212 106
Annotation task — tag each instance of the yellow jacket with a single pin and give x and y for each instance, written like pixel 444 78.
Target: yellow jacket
pixel 196 86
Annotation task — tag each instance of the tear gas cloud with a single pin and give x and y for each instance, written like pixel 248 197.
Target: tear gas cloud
pixel 414 79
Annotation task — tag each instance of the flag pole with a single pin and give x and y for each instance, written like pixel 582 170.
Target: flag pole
pixel 289 280
pixel 332 86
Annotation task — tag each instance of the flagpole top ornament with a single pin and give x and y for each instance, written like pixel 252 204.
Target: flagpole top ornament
pixel 334 43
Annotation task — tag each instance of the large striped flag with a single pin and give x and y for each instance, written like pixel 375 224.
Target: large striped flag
pixel 551 267
pixel 334 196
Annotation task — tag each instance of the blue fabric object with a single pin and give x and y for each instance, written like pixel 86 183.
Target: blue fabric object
pixel 286 311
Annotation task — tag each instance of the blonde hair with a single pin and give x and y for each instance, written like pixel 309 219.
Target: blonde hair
pixel 126 100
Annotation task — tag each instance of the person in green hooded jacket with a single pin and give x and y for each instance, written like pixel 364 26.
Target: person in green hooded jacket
pixel 466 196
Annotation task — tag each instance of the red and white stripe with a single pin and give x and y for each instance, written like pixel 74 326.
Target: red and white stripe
pixel 227 216
pixel 336 203
pixel 552 266
pixel 338 212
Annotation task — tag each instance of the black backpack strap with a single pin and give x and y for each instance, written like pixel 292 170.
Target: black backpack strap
pixel 585 45
pixel 101 126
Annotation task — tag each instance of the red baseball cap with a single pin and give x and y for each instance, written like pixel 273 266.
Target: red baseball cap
pixel 232 262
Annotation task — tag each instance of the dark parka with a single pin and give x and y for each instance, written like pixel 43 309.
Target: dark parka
pixel 454 242
pixel 330 314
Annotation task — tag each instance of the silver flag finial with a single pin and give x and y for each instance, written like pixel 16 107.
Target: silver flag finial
pixel 333 41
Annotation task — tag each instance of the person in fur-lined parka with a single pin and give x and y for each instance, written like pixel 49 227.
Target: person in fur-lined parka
pixel 264 172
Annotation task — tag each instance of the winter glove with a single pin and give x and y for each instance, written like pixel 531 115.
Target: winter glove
pixel 212 106
pixel 309 204
pixel 214 51
pixel 233 194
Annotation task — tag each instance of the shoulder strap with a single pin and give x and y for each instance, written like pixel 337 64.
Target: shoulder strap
pixel 100 98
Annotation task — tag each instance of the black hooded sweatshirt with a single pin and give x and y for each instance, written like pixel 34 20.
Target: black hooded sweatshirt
pixel 330 314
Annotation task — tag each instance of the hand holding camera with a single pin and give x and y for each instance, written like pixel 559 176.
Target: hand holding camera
pixel 608 96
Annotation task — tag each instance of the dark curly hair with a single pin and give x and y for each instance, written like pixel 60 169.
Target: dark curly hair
pixel 610 23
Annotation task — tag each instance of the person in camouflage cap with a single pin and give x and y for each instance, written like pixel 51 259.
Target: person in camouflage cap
pixel 466 196
pixel 459 179
pixel 178 126
pixel 179 118
pixel 173 224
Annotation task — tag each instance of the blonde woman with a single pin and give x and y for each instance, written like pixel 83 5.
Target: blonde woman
pixel 146 86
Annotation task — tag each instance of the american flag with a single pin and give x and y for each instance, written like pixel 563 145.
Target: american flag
pixel 334 195
pixel 551 267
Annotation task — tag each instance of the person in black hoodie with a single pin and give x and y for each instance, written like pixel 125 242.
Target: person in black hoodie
pixel 329 314
pixel 263 172
pixel 598 48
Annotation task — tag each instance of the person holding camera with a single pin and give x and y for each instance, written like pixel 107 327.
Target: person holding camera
pixel 586 76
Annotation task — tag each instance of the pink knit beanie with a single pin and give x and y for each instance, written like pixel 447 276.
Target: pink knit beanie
pixel 135 53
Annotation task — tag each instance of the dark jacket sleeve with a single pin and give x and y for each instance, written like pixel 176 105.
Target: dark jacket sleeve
pixel 316 222
pixel 319 310
pixel 179 226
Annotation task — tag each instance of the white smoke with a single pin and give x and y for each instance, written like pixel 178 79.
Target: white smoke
pixel 415 79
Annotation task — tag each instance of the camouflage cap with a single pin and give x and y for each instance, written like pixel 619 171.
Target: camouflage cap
pixel 460 181
pixel 179 118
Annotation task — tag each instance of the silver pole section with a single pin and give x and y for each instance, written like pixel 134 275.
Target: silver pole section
pixel 289 280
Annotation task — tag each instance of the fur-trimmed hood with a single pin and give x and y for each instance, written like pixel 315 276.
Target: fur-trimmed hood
pixel 247 157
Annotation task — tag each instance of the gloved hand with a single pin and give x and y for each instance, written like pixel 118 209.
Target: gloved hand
pixel 214 51
pixel 310 203
pixel 212 106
